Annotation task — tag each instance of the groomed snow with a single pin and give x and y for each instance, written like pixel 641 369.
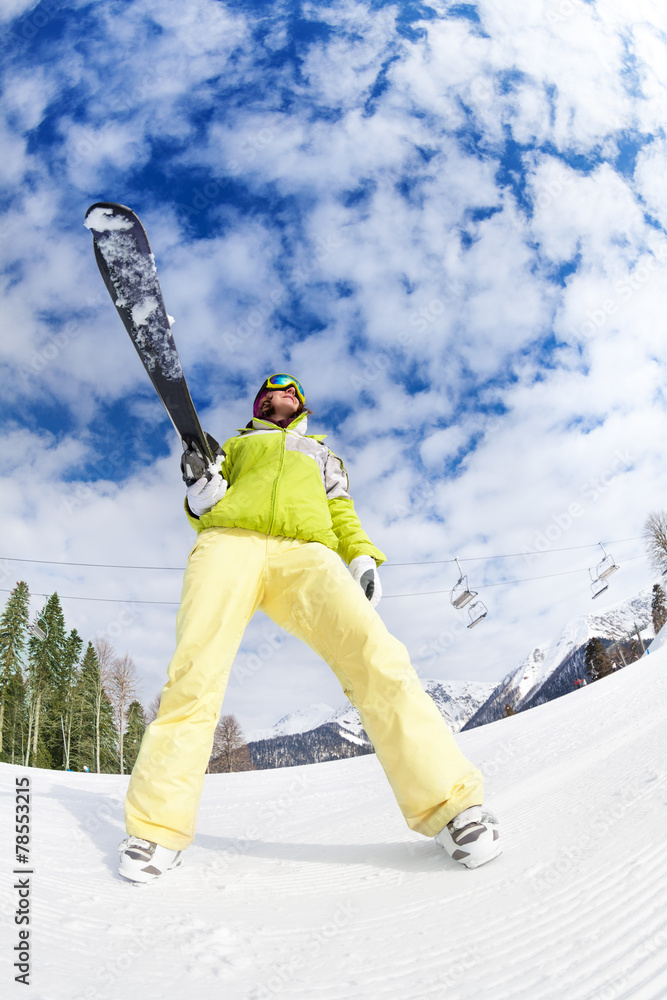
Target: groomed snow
pixel 304 883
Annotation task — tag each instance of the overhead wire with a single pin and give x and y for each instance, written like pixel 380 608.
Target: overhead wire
pixel 423 562
pixel 422 593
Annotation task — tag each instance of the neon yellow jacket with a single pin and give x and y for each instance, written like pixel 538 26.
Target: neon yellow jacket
pixel 285 482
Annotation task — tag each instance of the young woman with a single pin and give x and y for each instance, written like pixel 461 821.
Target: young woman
pixel 275 523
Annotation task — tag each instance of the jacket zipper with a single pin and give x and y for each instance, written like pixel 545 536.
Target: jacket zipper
pixel 277 479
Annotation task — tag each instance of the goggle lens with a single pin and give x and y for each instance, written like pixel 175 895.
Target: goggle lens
pixel 282 381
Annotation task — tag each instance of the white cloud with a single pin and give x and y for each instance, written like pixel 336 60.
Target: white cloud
pixel 649 179
pixel 9 9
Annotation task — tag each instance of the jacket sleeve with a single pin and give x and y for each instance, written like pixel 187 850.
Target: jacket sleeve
pixel 352 539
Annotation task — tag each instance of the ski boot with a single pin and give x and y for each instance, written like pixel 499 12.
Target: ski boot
pixel 142 861
pixel 472 837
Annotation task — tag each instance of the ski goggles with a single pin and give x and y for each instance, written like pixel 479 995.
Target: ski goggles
pixel 283 381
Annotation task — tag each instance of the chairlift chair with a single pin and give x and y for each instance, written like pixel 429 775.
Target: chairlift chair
pixel 477 612
pixel 601 573
pixel 461 592
pixel 606 567
pixel 39 631
pixel 598 587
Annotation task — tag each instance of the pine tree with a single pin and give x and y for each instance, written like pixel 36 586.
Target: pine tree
pixel 598 663
pixel 13 635
pixel 61 701
pixel 109 738
pixel 83 742
pixel 46 663
pixel 136 726
pixel 94 734
pixel 658 608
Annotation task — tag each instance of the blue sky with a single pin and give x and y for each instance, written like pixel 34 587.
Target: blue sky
pixel 447 219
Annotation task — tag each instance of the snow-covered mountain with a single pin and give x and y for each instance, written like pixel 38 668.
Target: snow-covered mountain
pixel 319 732
pixel 301 721
pixel 550 670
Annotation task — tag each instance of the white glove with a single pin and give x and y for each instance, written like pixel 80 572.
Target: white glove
pixel 364 570
pixel 206 492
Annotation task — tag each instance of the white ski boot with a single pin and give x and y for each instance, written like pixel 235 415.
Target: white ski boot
pixel 472 837
pixel 143 861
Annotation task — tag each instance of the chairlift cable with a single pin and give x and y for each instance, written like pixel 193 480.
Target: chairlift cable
pixel 386 597
pixel 424 562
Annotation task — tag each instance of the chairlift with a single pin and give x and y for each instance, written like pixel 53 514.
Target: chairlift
pixel 39 631
pixel 601 573
pixel 607 566
pixel 598 587
pixel 477 612
pixel 461 592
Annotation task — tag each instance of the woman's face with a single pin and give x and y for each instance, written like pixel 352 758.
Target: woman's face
pixel 282 402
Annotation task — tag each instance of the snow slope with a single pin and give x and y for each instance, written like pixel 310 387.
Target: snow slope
pixel 305 883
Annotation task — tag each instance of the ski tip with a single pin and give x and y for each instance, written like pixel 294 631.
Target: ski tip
pixel 105 216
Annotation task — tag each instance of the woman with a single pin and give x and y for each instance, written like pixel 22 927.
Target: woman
pixel 274 520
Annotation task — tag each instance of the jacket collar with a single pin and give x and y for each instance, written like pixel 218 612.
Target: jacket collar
pixel 298 426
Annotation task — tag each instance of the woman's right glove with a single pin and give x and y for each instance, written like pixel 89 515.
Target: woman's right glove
pixel 206 492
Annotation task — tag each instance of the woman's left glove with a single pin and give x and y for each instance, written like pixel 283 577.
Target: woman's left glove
pixel 364 570
pixel 206 492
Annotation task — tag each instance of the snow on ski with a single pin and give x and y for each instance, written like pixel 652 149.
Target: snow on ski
pixel 127 266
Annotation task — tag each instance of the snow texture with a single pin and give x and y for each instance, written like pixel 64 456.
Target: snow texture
pixel 305 882
pixel 103 220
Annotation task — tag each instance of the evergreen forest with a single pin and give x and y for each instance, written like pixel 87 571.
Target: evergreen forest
pixel 64 705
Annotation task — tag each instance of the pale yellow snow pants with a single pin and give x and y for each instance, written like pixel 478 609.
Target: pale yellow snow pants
pixel 306 589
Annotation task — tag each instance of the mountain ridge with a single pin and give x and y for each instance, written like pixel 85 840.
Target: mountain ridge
pixel 319 733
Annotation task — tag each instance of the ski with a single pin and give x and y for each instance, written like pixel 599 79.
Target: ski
pixel 127 266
